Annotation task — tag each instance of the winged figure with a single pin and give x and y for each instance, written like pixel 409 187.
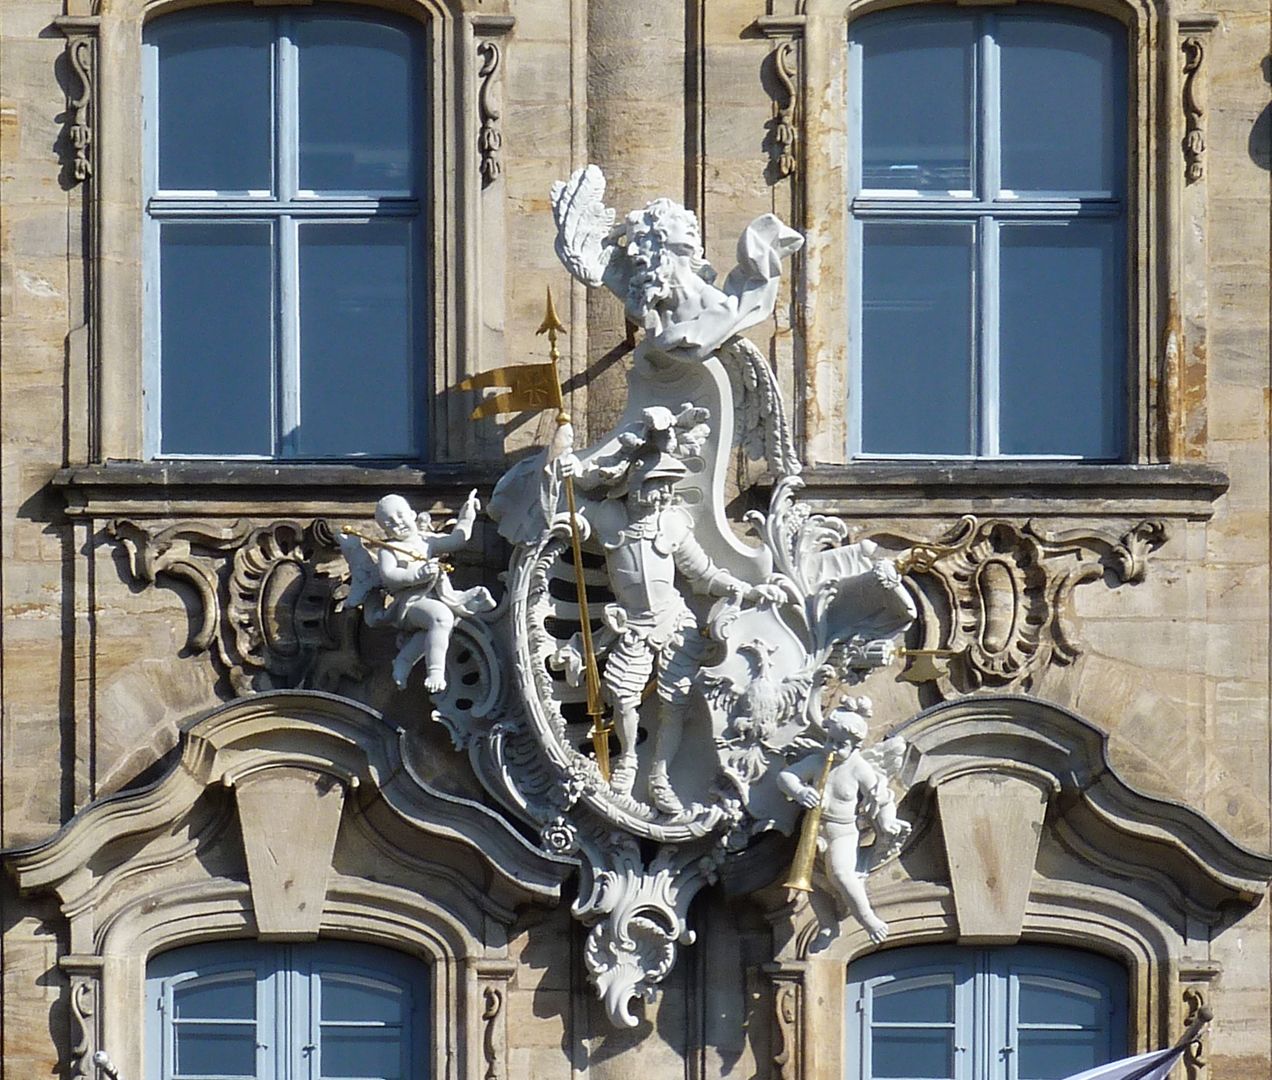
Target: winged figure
pixel 653 261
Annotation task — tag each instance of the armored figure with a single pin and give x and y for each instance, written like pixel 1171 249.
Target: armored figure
pixel 648 539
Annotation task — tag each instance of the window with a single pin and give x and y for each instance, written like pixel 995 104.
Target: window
pixel 988 237
pixel 285 286
pixel 950 1013
pixel 286 1012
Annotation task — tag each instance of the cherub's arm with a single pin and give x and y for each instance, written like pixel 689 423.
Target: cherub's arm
pixel 394 575
pixel 461 533
pixel 798 781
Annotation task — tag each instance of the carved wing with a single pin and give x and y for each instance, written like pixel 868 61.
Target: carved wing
pixel 584 224
pixel 887 756
pixel 364 575
pixel 762 427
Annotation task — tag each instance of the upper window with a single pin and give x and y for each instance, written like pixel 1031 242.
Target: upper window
pixel 989 234
pixel 286 1012
pixel 286 280
pixel 951 1013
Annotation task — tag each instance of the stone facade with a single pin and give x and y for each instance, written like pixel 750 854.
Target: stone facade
pixel 178 620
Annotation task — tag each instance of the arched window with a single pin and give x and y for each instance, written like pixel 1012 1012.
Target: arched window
pixel 286 282
pixel 286 1012
pixel 988 239
pixel 952 1013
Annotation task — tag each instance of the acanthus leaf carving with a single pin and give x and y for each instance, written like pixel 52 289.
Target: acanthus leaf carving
pixel 785 59
pixel 786 1020
pixel 84 974
pixel 1196 1054
pixel 266 597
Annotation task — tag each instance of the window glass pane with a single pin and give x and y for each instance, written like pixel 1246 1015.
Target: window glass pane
pixel 346 997
pixel 917 78
pixel 215 1049
pixel 916 340
pixel 913 1053
pixel 357 348
pixel 356 95
pixel 1054 1055
pixel 215 102
pixel 375 1053
pixel 1063 339
pixel 1049 1001
pixel 1078 60
pixel 216 331
pixel 229 997
pixel 904 1003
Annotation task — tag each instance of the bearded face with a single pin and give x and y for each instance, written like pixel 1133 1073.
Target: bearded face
pixel 664 245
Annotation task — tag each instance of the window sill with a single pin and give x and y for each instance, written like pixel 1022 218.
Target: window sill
pixel 926 489
pixel 232 488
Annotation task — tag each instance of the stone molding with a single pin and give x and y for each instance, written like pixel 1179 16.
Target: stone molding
pixel 419 870
pixel 1144 879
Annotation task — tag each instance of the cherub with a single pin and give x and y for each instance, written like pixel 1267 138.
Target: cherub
pixel 411 582
pixel 858 785
pixel 654 262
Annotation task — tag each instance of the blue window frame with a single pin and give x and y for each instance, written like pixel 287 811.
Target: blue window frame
pixel 286 277
pixel 988 267
pixel 286 1012
pixel 952 1013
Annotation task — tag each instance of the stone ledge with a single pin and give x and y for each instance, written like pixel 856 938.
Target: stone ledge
pixel 150 489
pixel 1033 488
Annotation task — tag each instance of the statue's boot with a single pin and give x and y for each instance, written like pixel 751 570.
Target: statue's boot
pixel 623 775
pixel 660 792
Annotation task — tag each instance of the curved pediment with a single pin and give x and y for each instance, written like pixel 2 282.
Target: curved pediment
pixel 293 760
pixel 996 762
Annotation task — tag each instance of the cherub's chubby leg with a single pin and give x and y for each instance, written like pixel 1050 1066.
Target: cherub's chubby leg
pixel 840 860
pixel 433 621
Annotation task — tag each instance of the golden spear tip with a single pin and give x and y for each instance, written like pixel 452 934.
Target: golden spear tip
pixel 551 320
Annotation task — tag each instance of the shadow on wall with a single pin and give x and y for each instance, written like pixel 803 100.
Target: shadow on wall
pixel 1261 133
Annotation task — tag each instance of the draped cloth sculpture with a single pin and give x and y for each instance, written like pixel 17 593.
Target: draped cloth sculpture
pixel 708 645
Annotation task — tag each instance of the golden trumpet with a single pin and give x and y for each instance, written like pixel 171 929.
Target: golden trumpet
pixel 401 549
pixel 801 875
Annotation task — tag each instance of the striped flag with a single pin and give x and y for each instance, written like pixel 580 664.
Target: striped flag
pixel 1154 1066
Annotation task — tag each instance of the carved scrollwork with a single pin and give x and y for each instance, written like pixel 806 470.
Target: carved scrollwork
pixel 492 1003
pixel 786 1010
pixel 1194 109
pixel 1196 1054
pixel 267 598
pixel 785 59
pixel 84 975
pixel 490 109
pixel 999 606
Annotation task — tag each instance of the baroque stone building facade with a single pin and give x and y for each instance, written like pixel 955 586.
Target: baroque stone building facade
pixel 201 747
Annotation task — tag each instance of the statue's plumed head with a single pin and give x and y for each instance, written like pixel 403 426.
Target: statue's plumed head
pixel 664 243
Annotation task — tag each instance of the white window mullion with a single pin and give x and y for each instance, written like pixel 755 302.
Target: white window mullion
pixel 287 363
pixel 151 308
pixel 989 120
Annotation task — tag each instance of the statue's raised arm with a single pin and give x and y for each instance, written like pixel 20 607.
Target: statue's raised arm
pixel 654 262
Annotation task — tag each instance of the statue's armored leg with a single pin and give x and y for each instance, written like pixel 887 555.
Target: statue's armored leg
pixel 627 669
pixel 678 662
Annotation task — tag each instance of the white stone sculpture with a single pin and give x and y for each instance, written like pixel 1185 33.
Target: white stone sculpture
pixel 403 582
pixel 647 536
pixel 704 639
pixel 848 782
pixel 654 262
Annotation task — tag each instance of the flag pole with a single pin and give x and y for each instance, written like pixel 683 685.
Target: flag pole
pixel 552 326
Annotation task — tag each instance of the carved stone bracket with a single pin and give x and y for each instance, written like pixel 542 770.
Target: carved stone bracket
pixel 786 30
pixel 81 51
pixel 1197 1053
pixel 787 1021
pixel 267 598
pixel 1194 109
pixel 493 982
pixel 490 108
pixel 84 973
pixel 999 606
